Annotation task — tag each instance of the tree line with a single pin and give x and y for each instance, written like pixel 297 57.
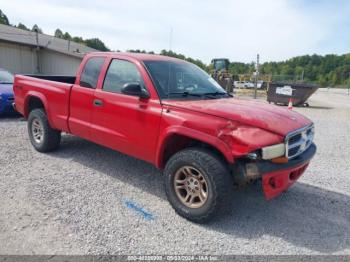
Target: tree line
pixel 175 55
pixel 95 43
pixel 328 70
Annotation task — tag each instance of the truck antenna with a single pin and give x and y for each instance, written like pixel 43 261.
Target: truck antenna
pixel 170 38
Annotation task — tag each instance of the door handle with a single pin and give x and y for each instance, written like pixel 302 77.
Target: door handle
pixel 98 102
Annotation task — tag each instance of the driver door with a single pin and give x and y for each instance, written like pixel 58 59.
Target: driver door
pixel 126 123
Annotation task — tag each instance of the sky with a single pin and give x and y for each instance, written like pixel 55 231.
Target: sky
pixel 202 29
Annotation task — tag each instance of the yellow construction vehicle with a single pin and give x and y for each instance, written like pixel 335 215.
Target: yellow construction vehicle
pixel 221 75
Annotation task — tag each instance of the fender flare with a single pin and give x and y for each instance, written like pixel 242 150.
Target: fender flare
pixel 193 134
pixel 42 98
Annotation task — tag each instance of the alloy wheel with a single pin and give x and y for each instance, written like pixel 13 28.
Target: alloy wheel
pixel 191 187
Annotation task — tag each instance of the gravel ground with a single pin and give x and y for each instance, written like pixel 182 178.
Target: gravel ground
pixel 85 198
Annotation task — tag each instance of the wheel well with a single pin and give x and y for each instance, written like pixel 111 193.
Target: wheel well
pixel 176 143
pixel 34 103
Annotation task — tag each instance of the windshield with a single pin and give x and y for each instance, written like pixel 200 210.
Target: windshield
pixel 220 65
pixel 183 80
pixel 5 77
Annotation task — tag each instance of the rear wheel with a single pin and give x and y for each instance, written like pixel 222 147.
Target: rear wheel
pixel 197 184
pixel 41 135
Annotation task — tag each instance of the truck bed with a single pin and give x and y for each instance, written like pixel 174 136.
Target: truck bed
pixel 49 89
pixel 56 78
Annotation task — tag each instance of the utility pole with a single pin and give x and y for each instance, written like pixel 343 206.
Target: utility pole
pixel 37 50
pixel 171 38
pixel 256 76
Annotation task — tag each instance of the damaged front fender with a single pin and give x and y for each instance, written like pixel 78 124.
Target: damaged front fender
pixel 243 139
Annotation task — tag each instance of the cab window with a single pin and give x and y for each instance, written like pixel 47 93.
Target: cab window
pixel 121 72
pixel 91 72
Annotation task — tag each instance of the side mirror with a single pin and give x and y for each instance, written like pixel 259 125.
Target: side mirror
pixel 135 89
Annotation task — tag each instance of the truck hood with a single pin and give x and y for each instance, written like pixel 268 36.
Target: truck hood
pixel 6 89
pixel 272 118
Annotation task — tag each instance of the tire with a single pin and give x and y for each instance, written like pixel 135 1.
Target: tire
pixel 41 135
pixel 218 183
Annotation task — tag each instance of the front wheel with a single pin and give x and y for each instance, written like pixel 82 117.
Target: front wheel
pixel 197 184
pixel 41 135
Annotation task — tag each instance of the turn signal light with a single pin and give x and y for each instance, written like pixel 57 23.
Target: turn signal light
pixel 280 160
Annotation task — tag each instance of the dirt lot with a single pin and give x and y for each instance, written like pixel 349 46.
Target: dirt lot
pixel 84 198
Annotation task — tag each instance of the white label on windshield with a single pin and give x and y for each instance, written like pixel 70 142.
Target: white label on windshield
pixel 212 80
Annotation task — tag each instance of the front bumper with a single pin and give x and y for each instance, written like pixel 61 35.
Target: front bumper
pixel 277 178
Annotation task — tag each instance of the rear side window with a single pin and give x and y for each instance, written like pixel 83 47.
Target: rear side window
pixel 91 72
pixel 121 72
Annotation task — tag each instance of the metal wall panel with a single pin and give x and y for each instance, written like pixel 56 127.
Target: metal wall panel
pixel 22 59
pixel 17 58
pixel 54 63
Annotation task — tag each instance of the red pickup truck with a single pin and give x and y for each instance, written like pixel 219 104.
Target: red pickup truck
pixel 172 114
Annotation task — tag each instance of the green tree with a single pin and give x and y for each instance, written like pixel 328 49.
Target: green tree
pixel 347 82
pixel 22 26
pixel 334 79
pixel 322 81
pixel 3 19
pixel 183 57
pixel 237 68
pixel 287 70
pixel 135 51
pixel 96 44
pixel 322 70
pixel 36 28
pixel 79 40
pixel 67 36
pixel 58 33
pixel 298 72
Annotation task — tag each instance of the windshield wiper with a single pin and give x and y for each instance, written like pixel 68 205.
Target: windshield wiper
pixel 217 93
pixel 185 94
pixel 211 95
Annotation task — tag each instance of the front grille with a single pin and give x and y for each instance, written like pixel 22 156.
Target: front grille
pixel 294 139
pixel 298 141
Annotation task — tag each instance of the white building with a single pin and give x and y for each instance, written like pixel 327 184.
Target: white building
pixel 26 52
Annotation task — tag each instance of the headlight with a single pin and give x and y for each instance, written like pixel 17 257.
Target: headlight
pixel 274 151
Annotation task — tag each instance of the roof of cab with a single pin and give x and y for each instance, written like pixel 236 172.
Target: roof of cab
pixel 137 56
